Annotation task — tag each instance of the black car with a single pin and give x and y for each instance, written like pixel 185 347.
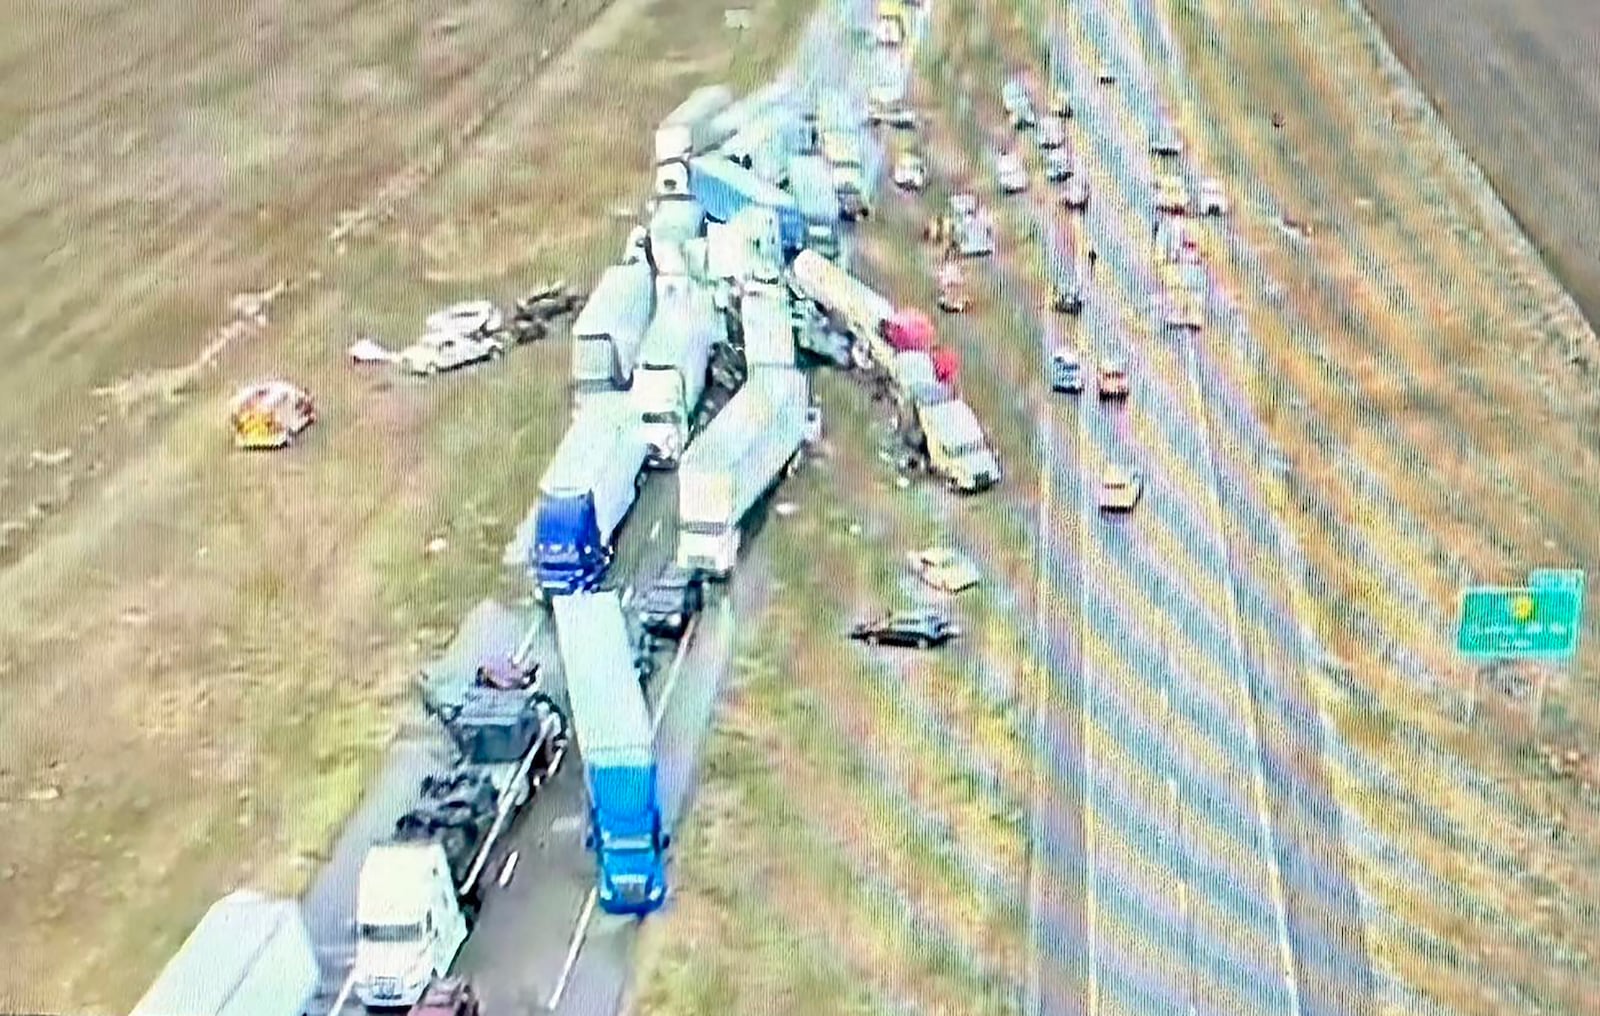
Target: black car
pixel 918 629
pixel 676 597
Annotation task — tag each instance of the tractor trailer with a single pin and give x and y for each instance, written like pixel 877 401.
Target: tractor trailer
pixel 694 128
pixel 608 330
pixel 616 740
pixel 417 893
pixel 675 223
pixel 768 322
pixel 811 183
pixel 726 188
pixel 671 376
pixel 851 303
pixel 585 493
pixel 250 955
pixel 737 459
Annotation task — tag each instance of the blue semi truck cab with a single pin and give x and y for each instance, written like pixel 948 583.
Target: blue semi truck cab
pixel 616 741
pixel 586 492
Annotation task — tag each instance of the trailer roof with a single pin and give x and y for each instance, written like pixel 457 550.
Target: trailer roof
pixel 769 391
pixel 748 183
pixel 608 709
pixel 218 954
pixel 684 315
pixel 704 100
pixel 614 303
pixel 954 420
pixel 590 442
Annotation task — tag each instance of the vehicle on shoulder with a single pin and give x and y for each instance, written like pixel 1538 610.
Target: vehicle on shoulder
pixel 943 568
pixel 1057 165
pixel 441 351
pixel 1060 101
pixel 910 171
pixel 1171 195
pixel 1075 195
pixel 471 317
pixel 1164 137
pixel 1113 379
pixel 1052 133
pixel 1213 200
pixel 1120 489
pixel 677 595
pixel 1009 173
pixel 447 996
pixel 915 629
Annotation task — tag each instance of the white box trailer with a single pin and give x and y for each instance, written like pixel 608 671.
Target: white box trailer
pixel 675 222
pixel 250 955
pixel 851 303
pixel 768 322
pixel 737 460
pixel 609 329
pixel 699 124
pixel 748 248
pixel 671 376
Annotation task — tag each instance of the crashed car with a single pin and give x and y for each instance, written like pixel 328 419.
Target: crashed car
pixel 1057 165
pixel 1170 193
pixel 1213 200
pixel 944 569
pixel 442 351
pixel 1075 195
pixel 1113 381
pixel 270 414
pixel 474 317
pixel 448 996
pixel 678 595
pixel 1052 133
pixel 1009 174
pixel 1120 489
pixel 921 629
pixel 910 172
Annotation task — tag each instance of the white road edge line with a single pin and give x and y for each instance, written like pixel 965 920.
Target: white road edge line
pixel 578 934
pixel 672 674
pixel 507 868
pixel 344 991
pixel 1258 778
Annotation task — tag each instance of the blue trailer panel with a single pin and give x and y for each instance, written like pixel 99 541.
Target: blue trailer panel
pixel 725 188
pixel 617 743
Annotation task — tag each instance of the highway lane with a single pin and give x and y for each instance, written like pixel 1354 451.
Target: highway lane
pixel 1186 910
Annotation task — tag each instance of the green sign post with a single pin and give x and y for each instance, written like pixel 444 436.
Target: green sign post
pixel 1536 621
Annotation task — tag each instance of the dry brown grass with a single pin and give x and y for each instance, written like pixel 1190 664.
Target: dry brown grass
pixel 204 653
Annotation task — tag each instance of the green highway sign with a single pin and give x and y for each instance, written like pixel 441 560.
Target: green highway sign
pixel 1536 621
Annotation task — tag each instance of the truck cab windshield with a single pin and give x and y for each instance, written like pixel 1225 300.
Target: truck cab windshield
pixel 391 932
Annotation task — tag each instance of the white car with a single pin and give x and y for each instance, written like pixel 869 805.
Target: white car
pixel 1010 175
pixel 1052 133
pixel 1213 200
pixel 1075 195
pixel 474 317
pixel 1120 489
pixel 1057 165
pixel 440 351
pixel 910 172
pixel 1106 74
pixel 944 569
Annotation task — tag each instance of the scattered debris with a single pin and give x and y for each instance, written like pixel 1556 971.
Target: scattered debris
pixel 366 350
pixel 943 568
pixel 784 509
pixel 55 458
pixel 437 545
pixel 46 793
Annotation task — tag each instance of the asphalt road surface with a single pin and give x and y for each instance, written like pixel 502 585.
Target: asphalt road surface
pixel 540 943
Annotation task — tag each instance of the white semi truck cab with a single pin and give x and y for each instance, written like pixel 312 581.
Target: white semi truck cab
pixel 409 923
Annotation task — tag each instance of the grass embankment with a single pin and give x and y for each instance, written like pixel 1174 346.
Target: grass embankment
pixel 205 653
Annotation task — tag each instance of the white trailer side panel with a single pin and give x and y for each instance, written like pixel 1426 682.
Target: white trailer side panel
pixel 768 327
pixel 602 452
pixel 609 715
pixel 745 447
pixel 249 956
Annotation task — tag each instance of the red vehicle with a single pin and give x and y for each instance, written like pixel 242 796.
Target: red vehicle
pixel 909 329
pixel 448 996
